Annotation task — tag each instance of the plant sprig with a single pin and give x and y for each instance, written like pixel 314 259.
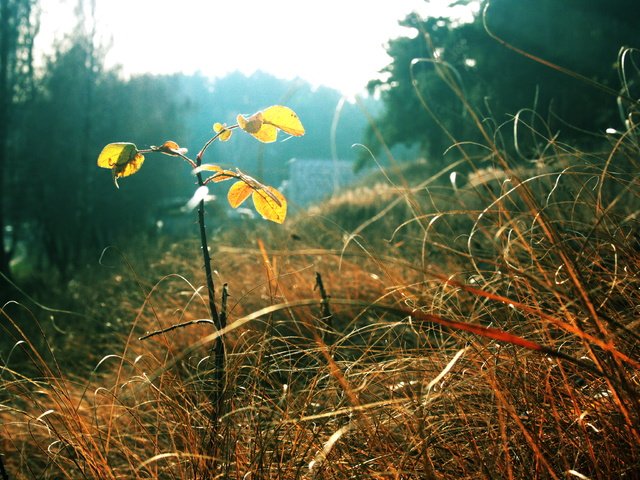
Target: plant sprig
pixel 125 159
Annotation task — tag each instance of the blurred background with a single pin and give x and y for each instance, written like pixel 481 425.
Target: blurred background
pixel 78 74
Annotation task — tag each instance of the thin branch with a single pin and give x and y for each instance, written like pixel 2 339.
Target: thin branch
pixel 223 306
pixel 327 316
pixel 326 310
pixel 210 141
pixel 174 327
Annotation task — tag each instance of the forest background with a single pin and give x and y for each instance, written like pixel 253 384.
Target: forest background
pixel 57 212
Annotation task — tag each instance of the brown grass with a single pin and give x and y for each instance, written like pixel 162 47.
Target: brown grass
pixel 376 392
pixel 482 329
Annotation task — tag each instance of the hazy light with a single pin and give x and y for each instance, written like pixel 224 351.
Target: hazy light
pixel 199 195
pixel 337 43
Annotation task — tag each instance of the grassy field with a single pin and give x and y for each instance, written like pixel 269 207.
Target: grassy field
pixel 485 327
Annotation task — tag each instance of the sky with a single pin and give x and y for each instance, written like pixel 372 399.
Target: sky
pixel 335 43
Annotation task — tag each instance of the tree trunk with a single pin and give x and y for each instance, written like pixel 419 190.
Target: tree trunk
pixel 16 74
pixel 5 103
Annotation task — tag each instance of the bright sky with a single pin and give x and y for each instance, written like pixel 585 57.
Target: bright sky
pixel 337 43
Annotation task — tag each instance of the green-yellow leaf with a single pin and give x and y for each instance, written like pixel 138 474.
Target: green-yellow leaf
pixel 238 193
pixel 119 153
pixel 122 158
pixel 283 118
pixel 270 203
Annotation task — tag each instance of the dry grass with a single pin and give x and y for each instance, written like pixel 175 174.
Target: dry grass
pixel 374 393
pixel 482 329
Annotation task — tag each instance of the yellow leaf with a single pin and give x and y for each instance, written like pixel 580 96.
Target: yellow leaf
pixel 170 148
pixel 221 129
pixel 283 118
pixel 255 126
pixel 267 133
pixel 170 145
pixel 224 175
pixel 129 168
pixel 264 125
pixel 219 175
pixel 119 153
pixel 238 193
pixel 252 124
pixel 270 203
pixel 122 158
pixel 208 167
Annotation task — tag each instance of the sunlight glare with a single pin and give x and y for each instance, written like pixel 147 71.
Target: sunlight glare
pixel 332 43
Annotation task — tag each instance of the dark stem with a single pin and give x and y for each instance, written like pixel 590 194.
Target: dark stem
pixel 217 350
pixel 174 327
pixel 206 258
pixel 223 309
pixel 327 316
pixel 3 472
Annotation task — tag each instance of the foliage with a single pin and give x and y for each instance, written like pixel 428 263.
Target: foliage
pixel 124 159
pixel 72 214
pixel 320 107
pixel 264 125
pixel 447 64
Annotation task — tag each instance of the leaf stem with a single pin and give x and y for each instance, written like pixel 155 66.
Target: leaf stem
pixel 209 142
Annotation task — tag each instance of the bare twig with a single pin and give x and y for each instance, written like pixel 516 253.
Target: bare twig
pixel 174 327
pixel 327 316
pixel 217 353
pixel 223 306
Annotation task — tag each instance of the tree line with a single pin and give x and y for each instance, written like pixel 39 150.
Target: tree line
pixel 55 121
pixel 555 62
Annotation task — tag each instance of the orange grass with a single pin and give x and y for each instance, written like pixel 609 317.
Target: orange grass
pixel 445 357
pixel 485 328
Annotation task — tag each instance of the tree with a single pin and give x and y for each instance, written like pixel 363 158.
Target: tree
pixel 497 81
pixel 74 211
pixel 18 29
